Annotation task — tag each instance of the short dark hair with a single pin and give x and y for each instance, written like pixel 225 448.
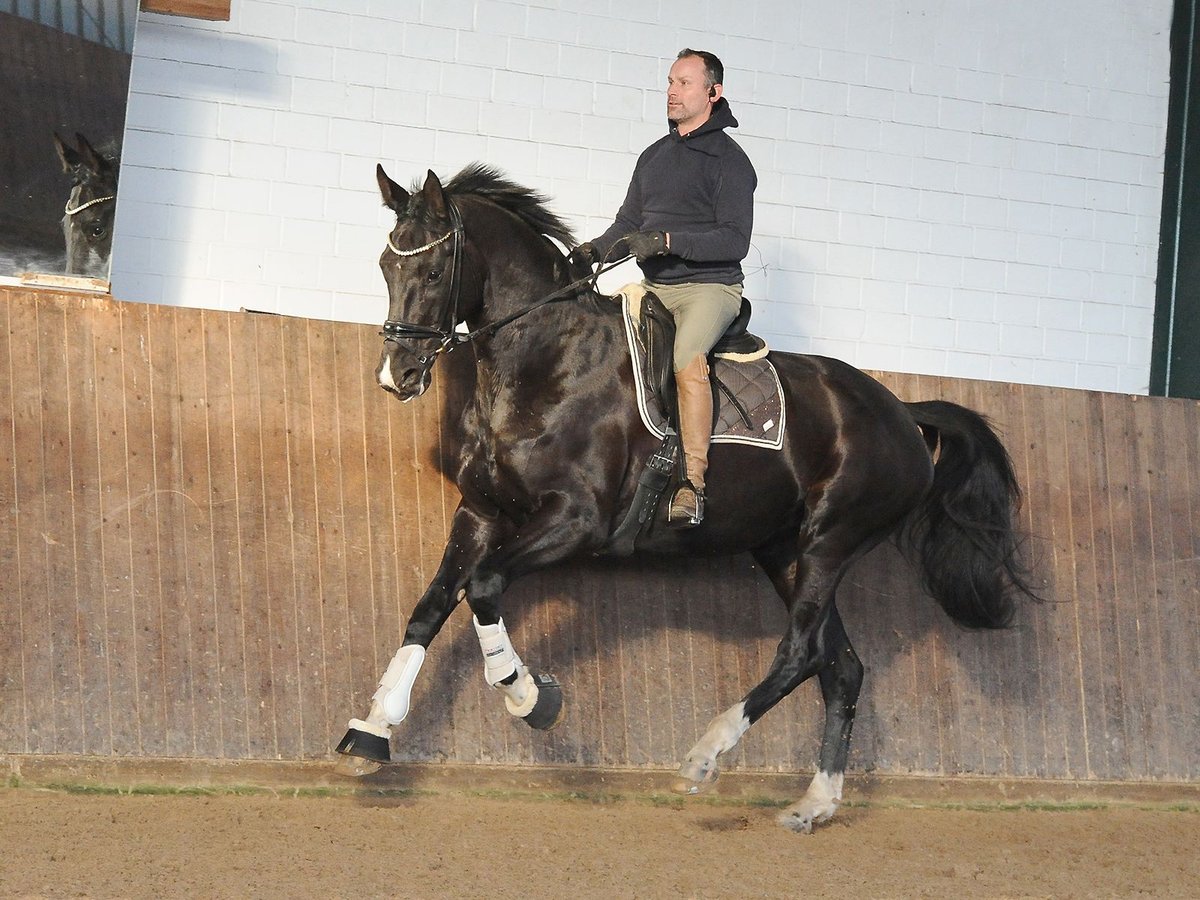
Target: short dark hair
pixel 714 72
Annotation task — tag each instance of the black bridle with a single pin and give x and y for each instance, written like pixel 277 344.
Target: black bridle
pixel 445 332
pixel 395 331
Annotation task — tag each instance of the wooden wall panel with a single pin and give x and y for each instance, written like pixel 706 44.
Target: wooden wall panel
pixel 215 526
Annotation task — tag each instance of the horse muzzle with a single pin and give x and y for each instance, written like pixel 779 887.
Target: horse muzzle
pixel 403 374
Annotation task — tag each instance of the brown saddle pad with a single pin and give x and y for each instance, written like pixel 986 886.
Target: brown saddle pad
pixel 753 381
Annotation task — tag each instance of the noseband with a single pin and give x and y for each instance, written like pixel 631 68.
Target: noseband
pixel 395 331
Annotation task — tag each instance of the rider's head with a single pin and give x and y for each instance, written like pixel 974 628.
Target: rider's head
pixel 693 86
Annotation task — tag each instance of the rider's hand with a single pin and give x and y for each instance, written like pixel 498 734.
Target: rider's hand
pixel 583 257
pixel 644 244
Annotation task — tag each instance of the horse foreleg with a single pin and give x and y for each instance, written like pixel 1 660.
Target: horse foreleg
pixel 369 738
pixel 551 535
pixel 533 697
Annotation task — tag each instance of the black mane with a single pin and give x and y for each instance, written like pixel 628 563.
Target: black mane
pixel 526 204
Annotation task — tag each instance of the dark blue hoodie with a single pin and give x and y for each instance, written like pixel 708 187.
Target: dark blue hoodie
pixel 700 188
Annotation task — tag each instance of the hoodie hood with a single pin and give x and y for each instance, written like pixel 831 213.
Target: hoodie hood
pixel 720 118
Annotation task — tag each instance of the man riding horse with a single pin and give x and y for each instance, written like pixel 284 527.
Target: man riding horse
pixel 687 217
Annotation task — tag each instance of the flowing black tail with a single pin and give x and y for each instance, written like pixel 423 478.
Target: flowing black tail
pixel 963 533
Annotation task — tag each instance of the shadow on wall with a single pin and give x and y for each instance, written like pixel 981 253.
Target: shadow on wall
pixel 619 634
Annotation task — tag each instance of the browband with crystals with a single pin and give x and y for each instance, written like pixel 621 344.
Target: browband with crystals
pixel 82 206
pixel 445 237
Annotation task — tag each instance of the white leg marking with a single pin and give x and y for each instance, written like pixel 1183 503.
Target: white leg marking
pixel 818 804
pixel 700 769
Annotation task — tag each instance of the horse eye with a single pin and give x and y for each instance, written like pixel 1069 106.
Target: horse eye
pixel 97 231
pixel 434 275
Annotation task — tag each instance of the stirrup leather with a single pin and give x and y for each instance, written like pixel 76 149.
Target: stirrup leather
pixel 687 506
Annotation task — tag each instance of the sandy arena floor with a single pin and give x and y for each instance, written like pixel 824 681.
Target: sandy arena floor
pixel 58 844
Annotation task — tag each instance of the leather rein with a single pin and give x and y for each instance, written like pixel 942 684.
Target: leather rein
pixel 446 331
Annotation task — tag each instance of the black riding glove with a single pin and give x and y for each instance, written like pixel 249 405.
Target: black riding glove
pixel 583 257
pixel 644 244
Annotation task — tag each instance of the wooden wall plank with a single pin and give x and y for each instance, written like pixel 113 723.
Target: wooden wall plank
pixel 305 527
pixel 1071 736
pixel 282 566
pixel 59 436
pixel 1030 627
pixel 142 521
pixel 1120 478
pixel 351 601
pixel 225 602
pixel 172 505
pixel 33 535
pixel 106 399
pixel 252 608
pixel 201 555
pixel 324 628
pixel 1105 613
pixel 1149 503
pixel 1175 601
pixel 13 707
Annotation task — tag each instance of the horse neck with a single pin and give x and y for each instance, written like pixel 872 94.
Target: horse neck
pixel 518 266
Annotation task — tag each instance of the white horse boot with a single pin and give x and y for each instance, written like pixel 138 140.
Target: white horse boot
pixel 370 739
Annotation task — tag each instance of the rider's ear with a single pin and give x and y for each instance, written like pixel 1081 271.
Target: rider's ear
pixel 395 197
pixel 435 197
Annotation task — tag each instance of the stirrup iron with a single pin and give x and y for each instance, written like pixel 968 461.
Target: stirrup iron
pixel 683 514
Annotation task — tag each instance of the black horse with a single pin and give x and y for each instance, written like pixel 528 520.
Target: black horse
pixel 553 447
pixel 91 207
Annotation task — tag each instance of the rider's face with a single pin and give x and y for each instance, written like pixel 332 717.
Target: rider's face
pixel 689 99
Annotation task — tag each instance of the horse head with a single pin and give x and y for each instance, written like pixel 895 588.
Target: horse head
pixel 440 277
pixel 88 215
pixel 422 265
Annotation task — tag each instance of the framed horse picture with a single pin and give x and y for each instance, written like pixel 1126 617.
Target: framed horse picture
pixel 65 67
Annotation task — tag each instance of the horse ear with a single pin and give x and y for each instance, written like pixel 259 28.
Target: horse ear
pixel 395 197
pixel 66 155
pixel 88 156
pixel 434 195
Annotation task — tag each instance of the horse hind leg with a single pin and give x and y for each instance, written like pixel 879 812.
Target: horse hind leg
pixel 815 644
pixel 841 680
pixel 796 660
pixel 826 653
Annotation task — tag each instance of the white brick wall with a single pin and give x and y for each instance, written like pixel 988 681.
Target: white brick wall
pixel 965 188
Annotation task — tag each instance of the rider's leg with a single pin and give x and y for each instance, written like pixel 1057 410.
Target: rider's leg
pixel 695 431
pixel 702 312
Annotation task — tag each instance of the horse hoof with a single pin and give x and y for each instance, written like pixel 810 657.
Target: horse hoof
pixel 365 746
pixel 355 766
pixel 547 711
pixel 801 817
pixel 696 777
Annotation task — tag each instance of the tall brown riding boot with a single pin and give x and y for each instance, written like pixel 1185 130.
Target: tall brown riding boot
pixel 695 431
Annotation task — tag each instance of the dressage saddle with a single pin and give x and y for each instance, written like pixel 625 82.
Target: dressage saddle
pixel 656 332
